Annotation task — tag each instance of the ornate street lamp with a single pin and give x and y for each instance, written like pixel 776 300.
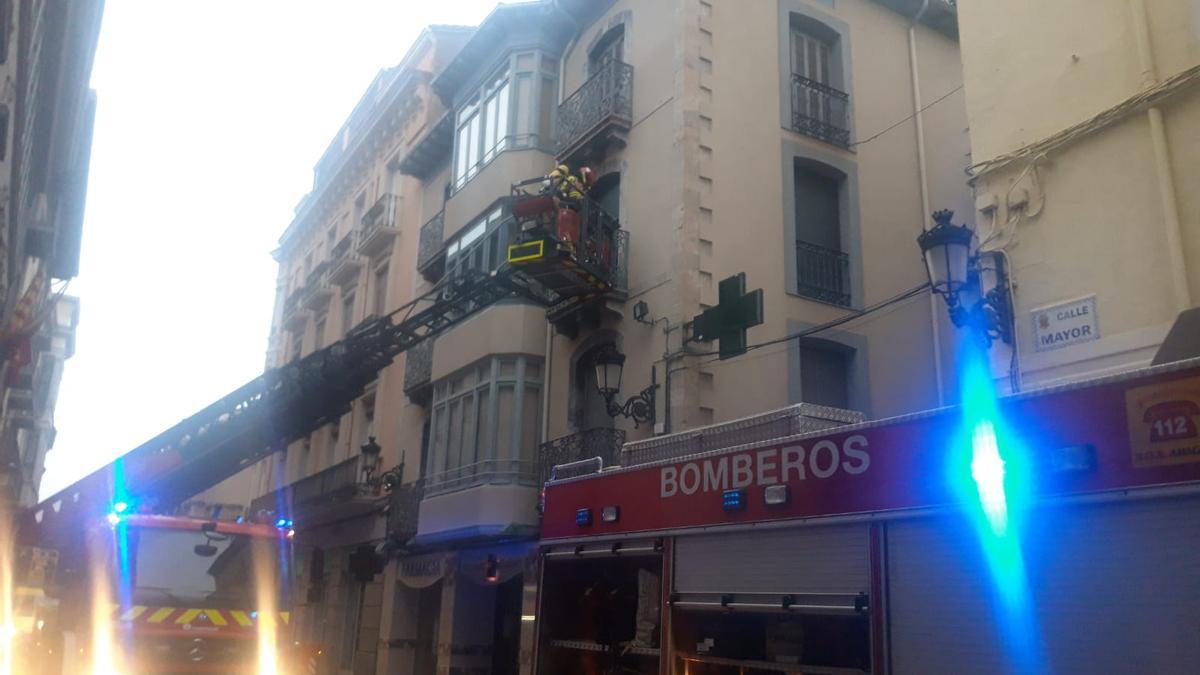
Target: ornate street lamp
pixel 974 286
pixel 609 364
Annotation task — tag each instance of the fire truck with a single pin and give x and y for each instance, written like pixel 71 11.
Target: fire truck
pixel 782 544
pixel 170 594
pixel 177 576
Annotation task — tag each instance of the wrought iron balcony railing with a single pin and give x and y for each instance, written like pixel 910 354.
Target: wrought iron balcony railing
pixel 381 214
pixel 430 249
pixel 418 367
pixel 602 442
pixel 404 506
pixel 606 98
pixel 820 111
pixel 379 226
pixel 822 273
pixel 343 482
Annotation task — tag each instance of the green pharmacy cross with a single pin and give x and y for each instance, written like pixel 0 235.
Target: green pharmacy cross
pixel 726 323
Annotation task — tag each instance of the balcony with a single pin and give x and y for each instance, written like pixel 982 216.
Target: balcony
pixel 294 316
pixel 379 226
pixel 487 472
pixel 598 114
pixel 801 418
pixel 344 490
pixel 431 252
pixel 404 505
pixel 317 289
pixel 822 274
pixel 418 371
pixel 602 442
pixel 604 248
pixel 345 262
pixel 820 111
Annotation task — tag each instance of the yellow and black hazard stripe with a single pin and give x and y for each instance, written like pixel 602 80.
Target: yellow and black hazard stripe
pixel 179 616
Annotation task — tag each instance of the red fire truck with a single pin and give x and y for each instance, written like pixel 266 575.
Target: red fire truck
pixel 178 595
pixel 887 547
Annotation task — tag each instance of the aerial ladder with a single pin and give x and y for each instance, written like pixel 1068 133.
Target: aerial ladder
pixel 563 257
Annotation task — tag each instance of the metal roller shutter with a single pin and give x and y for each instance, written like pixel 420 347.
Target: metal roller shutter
pixel 1115 588
pixel 825 559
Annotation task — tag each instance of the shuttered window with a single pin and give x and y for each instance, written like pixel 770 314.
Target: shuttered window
pixel 825 559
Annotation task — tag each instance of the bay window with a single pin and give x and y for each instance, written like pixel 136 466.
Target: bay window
pixel 484 424
pixel 480 246
pixel 506 112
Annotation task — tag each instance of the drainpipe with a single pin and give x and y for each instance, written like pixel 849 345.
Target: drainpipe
pixel 922 171
pixel 546 382
pixel 1162 160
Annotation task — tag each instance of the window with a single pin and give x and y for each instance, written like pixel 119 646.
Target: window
pixel 480 245
pixel 360 206
pixel 368 417
pixel 822 268
pixel 319 340
pixel 331 443
pixel 512 109
pixel 347 312
pixel 297 346
pixel 353 591
pixel 825 373
pixel 331 237
pixel 3 127
pixel 483 130
pixel 818 97
pixel 610 49
pixel 380 303
pixel 485 423
pixel 810 56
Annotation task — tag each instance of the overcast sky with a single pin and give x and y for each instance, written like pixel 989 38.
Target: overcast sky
pixel 211 115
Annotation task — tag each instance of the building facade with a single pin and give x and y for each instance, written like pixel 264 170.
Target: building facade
pixel 46 115
pixel 349 254
pixel 1086 196
pixel 801 143
pixel 726 138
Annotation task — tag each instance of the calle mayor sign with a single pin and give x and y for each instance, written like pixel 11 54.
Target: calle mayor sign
pixel 1065 324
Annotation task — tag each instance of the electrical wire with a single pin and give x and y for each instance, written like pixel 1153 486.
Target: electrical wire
pixel 901 297
pixel 927 107
pixel 1146 99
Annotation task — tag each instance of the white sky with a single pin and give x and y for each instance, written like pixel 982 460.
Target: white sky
pixel 211 115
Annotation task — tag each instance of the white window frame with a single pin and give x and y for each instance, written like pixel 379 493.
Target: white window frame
pixel 475 437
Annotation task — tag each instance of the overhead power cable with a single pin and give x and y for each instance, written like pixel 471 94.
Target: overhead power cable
pixel 901 297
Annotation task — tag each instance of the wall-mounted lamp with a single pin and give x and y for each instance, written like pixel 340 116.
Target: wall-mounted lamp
pixel 974 285
pixel 610 364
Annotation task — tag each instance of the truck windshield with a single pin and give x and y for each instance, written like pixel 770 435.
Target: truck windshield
pixel 189 568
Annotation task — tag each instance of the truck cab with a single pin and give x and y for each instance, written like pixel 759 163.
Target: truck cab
pixel 171 594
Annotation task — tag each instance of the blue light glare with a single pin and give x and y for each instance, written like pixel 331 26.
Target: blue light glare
pixel 989 470
pixel 120 507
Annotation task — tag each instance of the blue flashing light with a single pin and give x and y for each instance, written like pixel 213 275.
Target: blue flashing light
pixel 120 507
pixel 282 523
pixel 989 470
pixel 733 500
pixel 113 519
pixel 583 517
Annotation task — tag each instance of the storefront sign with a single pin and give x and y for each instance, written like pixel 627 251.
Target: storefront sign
pixel 902 464
pixel 1065 324
pixel 1163 423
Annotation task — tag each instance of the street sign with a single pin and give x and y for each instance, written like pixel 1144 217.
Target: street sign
pixel 736 310
pixel 1065 324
